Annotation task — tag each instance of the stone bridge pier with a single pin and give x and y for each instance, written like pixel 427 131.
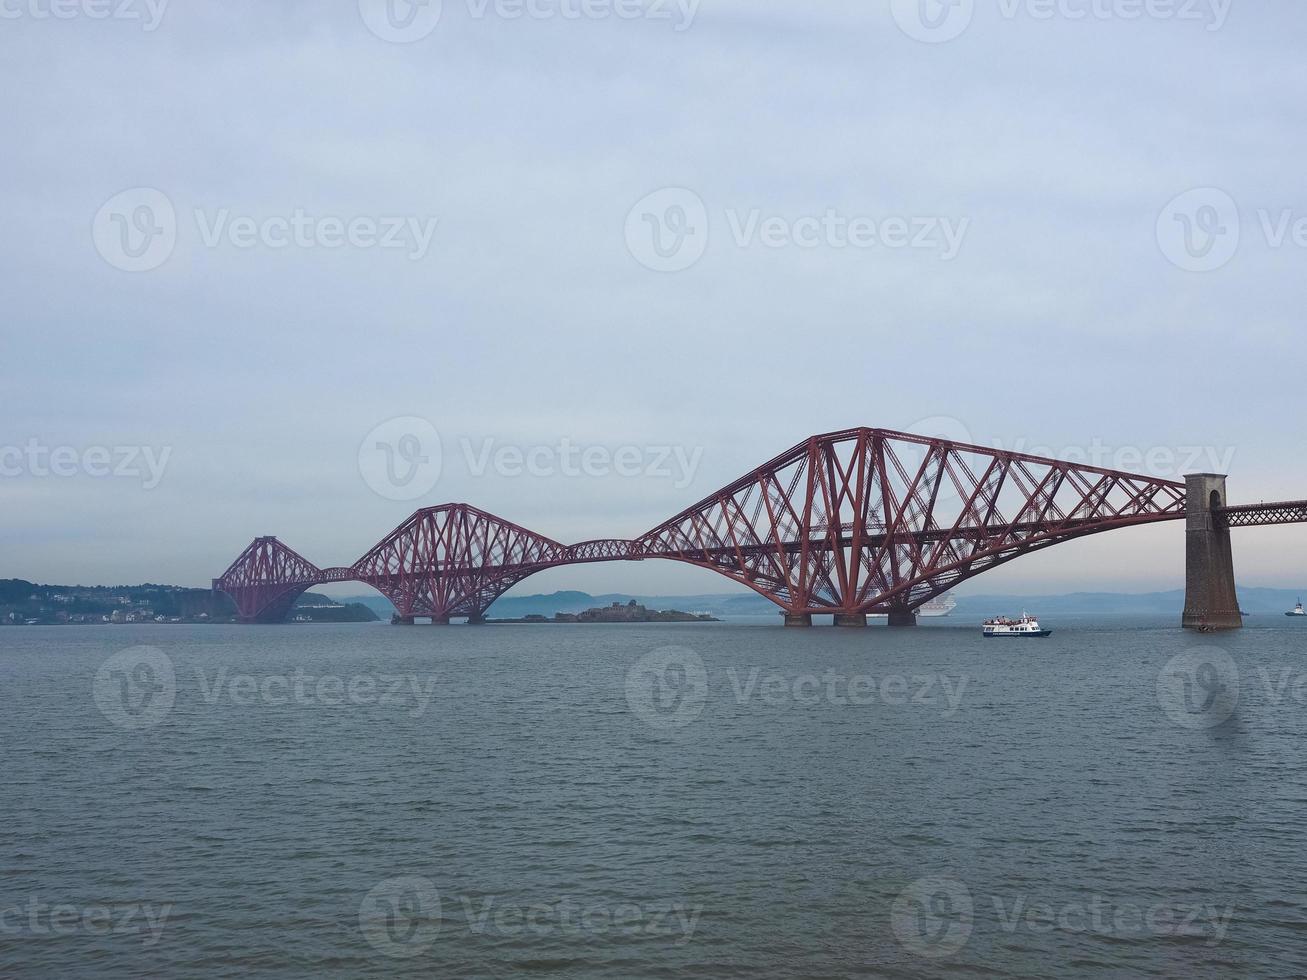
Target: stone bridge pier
pixel 1210 602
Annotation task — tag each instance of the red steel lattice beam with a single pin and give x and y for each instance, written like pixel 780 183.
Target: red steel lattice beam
pixel 856 521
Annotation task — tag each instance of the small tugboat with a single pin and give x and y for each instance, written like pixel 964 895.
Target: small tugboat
pixel 1027 625
pixel 1297 610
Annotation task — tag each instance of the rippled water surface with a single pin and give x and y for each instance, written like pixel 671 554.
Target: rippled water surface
pixel 708 800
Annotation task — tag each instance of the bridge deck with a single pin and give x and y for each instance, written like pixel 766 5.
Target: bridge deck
pixel 1258 515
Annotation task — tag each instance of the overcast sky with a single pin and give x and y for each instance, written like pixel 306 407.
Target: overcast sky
pixel 242 236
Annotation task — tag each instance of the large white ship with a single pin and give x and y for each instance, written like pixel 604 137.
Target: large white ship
pixel 941 605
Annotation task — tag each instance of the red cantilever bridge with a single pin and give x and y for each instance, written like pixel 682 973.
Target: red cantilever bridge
pixel 849 523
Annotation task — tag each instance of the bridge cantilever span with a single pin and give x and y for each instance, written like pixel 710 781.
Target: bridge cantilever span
pixel 848 523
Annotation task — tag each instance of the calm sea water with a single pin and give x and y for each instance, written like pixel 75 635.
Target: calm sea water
pixel 1122 799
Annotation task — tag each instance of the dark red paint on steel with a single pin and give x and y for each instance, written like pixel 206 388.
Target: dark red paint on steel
pixel 862 520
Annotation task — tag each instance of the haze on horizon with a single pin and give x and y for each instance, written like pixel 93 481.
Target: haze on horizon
pixel 1024 183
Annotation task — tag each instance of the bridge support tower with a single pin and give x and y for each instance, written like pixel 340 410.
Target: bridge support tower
pixel 1210 602
pixel 902 616
pixel 856 620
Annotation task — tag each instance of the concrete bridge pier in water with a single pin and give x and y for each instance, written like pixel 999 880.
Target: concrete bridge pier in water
pixel 1210 602
pixel 898 617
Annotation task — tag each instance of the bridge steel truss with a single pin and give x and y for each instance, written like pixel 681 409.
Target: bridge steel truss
pixel 1258 515
pixel 852 522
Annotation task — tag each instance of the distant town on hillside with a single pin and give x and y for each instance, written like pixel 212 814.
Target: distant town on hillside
pixel 24 603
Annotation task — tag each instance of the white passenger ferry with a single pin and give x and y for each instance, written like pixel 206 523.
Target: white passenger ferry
pixel 1027 625
pixel 1297 610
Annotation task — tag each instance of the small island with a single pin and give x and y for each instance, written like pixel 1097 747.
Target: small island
pixel 631 612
